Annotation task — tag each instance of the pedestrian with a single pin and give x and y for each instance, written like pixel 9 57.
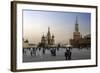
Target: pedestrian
pixel 66 54
pixel 40 53
pixel 28 52
pixel 37 52
pixel 43 50
pixel 69 53
pixel 31 51
pixel 54 51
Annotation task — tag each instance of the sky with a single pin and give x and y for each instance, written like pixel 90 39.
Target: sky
pixel 62 25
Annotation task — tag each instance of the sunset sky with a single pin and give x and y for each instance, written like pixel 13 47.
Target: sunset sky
pixel 62 25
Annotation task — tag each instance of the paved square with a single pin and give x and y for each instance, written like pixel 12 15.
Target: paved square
pixel 76 54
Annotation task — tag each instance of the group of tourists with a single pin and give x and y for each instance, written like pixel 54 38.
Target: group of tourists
pixel 43 51
pixel 33 51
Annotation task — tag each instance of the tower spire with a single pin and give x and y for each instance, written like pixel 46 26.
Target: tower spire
pixel 76 19
pixel 48 29
pixel 49 34
pixel 76 25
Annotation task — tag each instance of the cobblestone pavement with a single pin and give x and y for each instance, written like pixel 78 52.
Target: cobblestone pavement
pixel 77 54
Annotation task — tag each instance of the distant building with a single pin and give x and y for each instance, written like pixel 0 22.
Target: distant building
pixel 25 43
pixel 47 40
pixel 78 40
pixel 76 34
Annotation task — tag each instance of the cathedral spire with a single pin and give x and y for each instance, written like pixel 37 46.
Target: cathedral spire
pixel 49 31
pixel 76 25
pixel 49 35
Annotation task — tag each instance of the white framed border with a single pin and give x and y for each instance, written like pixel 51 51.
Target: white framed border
pixel 39 65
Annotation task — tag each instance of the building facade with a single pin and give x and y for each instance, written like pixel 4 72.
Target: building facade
pixel 47 40
pixel 78 40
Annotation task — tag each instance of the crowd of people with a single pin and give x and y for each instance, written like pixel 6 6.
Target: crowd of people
pixel 39 52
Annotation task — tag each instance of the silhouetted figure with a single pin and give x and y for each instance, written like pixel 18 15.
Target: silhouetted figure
pixel 39 48
pixel 69 58
pixel 68 55
pixel 40 52
pixel 34 51
pixel 28 53
pixel 53 52
pixel 24 51
pixel 57 48
pixel 43 50
pixel 31 51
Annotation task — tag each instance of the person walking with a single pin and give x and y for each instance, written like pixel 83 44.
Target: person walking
pixel 40 53
pixel 68 54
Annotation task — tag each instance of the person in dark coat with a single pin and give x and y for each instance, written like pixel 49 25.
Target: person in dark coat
pixel 68 55
pixel 69 58
pixel 43 50
pixel 53 52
